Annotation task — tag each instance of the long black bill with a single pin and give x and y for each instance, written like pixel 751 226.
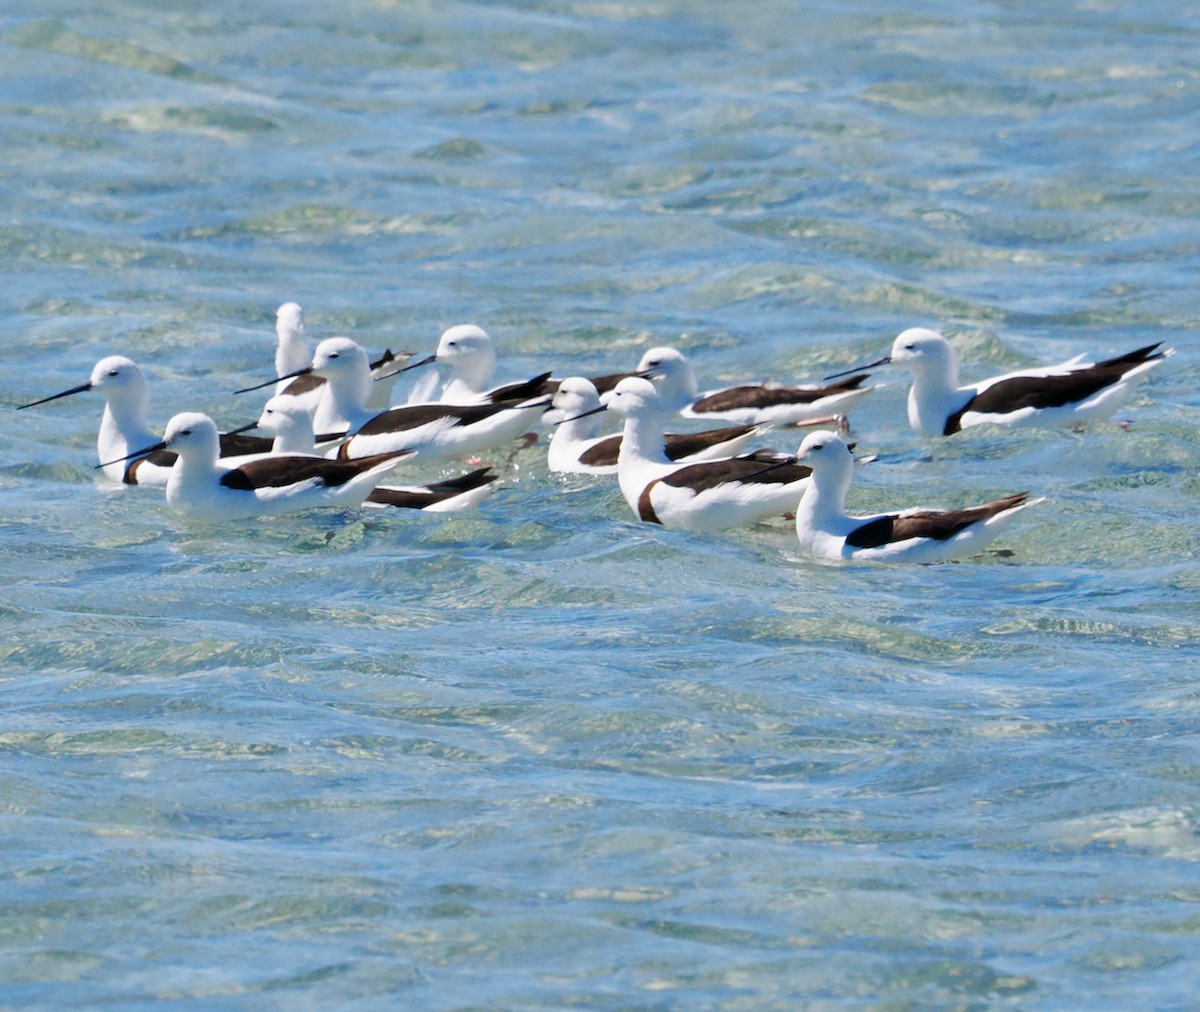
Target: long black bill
pixel 240 429
pixel 575 418
pixel 859 368
pixel 53 397
pixel 276 379
pixel 405 368
pixel 772 467
pixel 144 452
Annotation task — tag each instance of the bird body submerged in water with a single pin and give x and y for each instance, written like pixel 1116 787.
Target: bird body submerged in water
pixel 911 535
pixel 1070 393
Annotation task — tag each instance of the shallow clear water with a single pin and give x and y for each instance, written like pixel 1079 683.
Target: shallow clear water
pixel 537 755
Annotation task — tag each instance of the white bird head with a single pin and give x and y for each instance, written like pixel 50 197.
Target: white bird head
pixel 284 416
pixel 824 448
pixel 634 397
pixel 339 356
pixel 575 395
pixel 289 321
pixel 673 374
pixel 921 350
pixel 120 379
pixel 191 434
pixel 467 350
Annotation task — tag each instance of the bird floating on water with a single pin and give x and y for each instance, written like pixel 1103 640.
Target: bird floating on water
pixel 124 425
pixel 1067 394
pixel 911 535
pixel 577 447
pixel 747 404
pixel 293 354
pixel 291 427
pixel 708 496
pixel 470 356
pixel 199 486
pixel 437 430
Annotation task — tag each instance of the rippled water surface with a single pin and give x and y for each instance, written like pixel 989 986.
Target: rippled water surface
pixel 537 755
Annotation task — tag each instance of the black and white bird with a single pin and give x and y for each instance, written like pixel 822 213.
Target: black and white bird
pixel 124 426
pixel 201 487
pixel 292 354
pixel 708 496
pixel 291 427
pixel 436 430
pixel 911 535
pixel 467 353
pixel 748 403
pixel 1071 393
pixel 578 447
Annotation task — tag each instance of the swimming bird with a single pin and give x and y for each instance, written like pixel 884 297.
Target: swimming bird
pixel 577 447
pixel 470 356
pixel 1067 394
pixel 199 486
pixel 750 403
pixel 124 425
pixel 293 354
pixel 708 496
pixel 291 427
pixel 436 430
pixel 911 535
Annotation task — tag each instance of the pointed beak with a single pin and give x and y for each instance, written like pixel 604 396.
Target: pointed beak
pixel 859 368
pixel 53 397
pixel 144 452
pixel 785 462
pixel 575 418
pixel 242 428
pixel 276 379
pixel 414 365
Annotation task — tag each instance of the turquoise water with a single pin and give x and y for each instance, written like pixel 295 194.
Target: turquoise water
pixel 537 755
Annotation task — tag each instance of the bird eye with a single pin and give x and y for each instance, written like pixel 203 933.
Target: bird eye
pixel 186 432
pixel 818 446
pixel 114 372
pixel 334 354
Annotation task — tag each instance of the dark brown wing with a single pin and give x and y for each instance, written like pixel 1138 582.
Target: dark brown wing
pixel 539 386
pixel 303 384
pixel 1051 391
pixel 434 493
pixel 603 454
pixel 162 458
pixel 387 358
pixel 940 525
pixel 604 384
pixel 748 468
pixel 412 416
pixel 770 395
pixel 684 444
pixel 276 472
pixel 240 445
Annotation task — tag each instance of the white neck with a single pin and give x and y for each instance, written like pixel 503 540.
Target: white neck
pixel 471 377
pixel 677 389
pixel 642 457
pixel 343 402
pixel 933 397
pixel 294 439
pixel 123 430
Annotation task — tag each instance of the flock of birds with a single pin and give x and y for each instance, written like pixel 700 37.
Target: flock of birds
pixel 333 437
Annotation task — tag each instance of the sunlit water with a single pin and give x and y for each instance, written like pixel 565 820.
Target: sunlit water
pixel 538 755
